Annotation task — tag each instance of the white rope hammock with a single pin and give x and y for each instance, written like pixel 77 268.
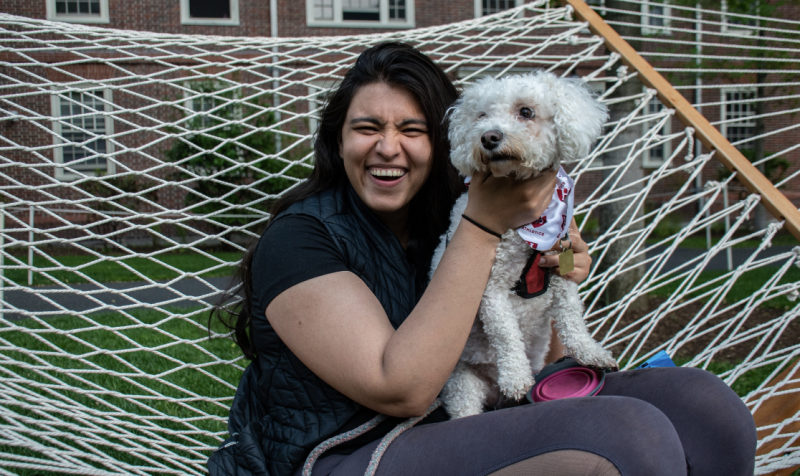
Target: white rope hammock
pixel 106 367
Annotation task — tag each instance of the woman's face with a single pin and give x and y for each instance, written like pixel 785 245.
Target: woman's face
pixel 385 148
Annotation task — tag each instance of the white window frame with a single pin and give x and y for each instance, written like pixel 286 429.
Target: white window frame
pixel 737 29
pixel 77 18
pixel 647 28
pixel 723 114
pixel 649 162
pixel 479 6
pixel 232 21
pixel 58 152
pixel 337 21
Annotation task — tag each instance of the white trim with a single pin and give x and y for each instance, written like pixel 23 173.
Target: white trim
pixel 232 21
pixel 77 18
pixel 647 28
pixel 58 152
pixel 723 115
pixel 736 30
pixel 479 7
pixel 384 21
pixel 649 162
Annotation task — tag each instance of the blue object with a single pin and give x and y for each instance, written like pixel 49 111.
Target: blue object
pixel 661 359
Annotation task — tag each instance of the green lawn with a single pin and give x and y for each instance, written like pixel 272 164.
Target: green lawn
pixel 746 285
pixel 114 271
pixel 75 336
pixel 699 242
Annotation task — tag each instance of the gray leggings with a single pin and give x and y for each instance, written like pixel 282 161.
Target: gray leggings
pixel 651 422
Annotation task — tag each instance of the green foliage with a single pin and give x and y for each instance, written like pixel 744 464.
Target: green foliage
pixel 745 286
pixel 774 169
pixel 230 161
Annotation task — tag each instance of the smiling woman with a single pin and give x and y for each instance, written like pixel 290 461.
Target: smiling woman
pixel 386 152
pixel 342 323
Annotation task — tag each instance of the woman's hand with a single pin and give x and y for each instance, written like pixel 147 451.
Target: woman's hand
pixel 583 262
pixel 504 203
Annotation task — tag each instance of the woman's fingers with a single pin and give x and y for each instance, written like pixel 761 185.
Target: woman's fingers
pixel 581 258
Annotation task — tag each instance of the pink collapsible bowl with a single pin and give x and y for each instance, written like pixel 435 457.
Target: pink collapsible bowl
pixel 566 379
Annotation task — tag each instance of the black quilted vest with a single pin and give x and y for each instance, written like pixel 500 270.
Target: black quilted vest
pixel 281 410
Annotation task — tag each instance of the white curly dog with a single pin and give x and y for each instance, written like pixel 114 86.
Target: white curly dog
pixel 522 125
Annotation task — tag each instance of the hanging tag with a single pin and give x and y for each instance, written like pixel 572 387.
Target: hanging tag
pixel 565 263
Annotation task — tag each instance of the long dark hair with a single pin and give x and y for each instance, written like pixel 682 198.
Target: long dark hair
pixel 399 65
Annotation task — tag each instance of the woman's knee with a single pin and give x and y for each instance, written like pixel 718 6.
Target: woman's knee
pixel 641 439
pixel 714 425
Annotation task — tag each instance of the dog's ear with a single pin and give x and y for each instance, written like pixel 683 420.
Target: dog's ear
pixel 579 119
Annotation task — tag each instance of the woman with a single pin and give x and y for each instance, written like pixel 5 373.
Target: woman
pixel 342 324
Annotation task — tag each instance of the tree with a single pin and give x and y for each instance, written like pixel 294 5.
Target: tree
pixel 227 162
pixel 623 14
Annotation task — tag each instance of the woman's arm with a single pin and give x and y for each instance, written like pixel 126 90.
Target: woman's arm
pixel 337 327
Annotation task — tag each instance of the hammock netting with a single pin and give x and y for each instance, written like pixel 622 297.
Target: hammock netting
pixel 135 168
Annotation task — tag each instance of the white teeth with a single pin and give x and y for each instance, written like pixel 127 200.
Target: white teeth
pixel 387 172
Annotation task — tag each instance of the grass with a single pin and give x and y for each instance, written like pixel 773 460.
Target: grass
pixel 746 285
pixel 62 346
pixel 75 336
pixel 699 242
pixel 115 271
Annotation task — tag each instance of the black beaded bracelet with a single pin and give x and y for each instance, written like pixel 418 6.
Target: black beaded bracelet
pixel 493 233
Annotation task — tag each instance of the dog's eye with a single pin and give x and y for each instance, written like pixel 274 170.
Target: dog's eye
pixel 482 115
pixel 526 113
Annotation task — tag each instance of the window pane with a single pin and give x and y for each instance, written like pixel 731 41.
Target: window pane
pixel 323 9
pixel 96 7
pixel 61 7
pixel 209 8
pixel 494 6
pixel 656 20
pixel 81 128
pixel 361 10
pixel 397 9
pixel 72 7
pixel 744 128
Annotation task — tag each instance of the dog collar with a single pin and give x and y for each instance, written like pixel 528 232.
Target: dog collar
pixel 543 233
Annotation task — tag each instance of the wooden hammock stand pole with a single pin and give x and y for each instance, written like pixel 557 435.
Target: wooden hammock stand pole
pixel 781 407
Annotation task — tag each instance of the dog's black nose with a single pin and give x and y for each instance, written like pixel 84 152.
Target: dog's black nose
pixel 491 139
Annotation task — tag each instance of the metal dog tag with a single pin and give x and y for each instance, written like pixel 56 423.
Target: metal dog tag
pixel 565 263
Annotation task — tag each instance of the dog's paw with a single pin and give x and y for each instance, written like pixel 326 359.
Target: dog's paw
pixel 515 386
pixel 599 357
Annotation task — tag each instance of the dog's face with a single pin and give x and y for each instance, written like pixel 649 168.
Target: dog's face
pixel 523 124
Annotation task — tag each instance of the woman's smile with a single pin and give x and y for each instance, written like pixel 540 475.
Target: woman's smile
pixel 386 150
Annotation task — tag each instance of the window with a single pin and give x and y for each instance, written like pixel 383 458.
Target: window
pixel 210 12
pixel 739 112
pixel 655 18
pixel 739 25
pixel 656 154
pixel 78 11
pixel 83 131
pixel 214 105
pixel 360 13
pixel 487 7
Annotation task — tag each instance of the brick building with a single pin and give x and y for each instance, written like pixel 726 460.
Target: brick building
pixel 255 18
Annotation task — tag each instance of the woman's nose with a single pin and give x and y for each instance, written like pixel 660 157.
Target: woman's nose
pixel 389 145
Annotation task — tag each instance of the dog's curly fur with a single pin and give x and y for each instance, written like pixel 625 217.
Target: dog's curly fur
pixel 511 335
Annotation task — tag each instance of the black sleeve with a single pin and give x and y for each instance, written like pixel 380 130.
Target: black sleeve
pixel 294 249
